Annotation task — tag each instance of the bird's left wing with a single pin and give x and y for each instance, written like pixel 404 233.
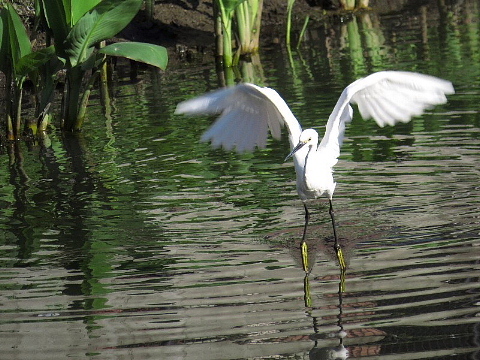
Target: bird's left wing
pixel 388 97
pixel 246 113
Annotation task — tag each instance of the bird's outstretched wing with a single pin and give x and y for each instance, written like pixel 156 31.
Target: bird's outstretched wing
pixel 388 97
pixel 246 112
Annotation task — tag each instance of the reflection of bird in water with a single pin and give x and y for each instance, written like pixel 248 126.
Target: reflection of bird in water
pixel 332 353
pixel 327 351
pixel 248 111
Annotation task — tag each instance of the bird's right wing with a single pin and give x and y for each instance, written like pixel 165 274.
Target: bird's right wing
pixel 246 113
pixel 388 97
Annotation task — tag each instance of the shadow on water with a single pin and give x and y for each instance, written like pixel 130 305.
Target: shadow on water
pixel 135 241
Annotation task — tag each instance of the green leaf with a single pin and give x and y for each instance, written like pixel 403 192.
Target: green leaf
pixel 62 15
pixel 67 8
pixel 75 9
pixel 106 20
pixel 146 53
pixel 57 21
pixel 15 42
pixel 80 8
pixel 3 34
pixel 34 60
pixel 19 40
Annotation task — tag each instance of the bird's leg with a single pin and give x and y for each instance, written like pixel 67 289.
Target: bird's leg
pixel 337 247
pixel 332 216
pixel 307 218
pixel 304 243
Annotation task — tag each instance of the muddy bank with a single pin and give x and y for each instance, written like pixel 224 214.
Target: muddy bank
pixel 189 23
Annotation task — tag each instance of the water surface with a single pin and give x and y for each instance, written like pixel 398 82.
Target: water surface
pixel 136 241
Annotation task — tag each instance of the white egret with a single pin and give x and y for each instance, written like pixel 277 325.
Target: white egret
pixel 246 113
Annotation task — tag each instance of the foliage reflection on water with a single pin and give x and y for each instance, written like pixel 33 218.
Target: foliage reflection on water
pixel 137 241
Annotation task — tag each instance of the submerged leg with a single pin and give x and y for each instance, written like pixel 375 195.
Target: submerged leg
pixel 304 244
pixel 338 249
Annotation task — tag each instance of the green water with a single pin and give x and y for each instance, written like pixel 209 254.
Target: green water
pixel 134 240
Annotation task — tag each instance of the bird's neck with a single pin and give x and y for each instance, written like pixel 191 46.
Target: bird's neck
pixel 314 164
pixel 311 153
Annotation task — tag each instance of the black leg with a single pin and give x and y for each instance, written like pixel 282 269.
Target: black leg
pixel 332 216
pixel 337 247
pixel 307 218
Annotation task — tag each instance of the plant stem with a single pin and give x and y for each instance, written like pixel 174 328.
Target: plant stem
pixel 227 36
pixel 82 109
pixel 73 86
pixel 8 108
pixel 18 108
pixel 241 15
pixel 149 5
pixel 302 32
pixel 257 24
pixel 218 30
pixel 248 15
pixel 289 20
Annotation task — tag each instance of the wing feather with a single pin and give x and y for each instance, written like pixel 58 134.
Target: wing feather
pixel 246 113
pixel 388 97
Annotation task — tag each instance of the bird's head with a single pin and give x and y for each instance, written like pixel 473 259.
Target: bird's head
pixel 307 137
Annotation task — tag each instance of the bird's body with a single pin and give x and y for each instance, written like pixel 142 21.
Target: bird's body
pixel 314 175
pixel 246 113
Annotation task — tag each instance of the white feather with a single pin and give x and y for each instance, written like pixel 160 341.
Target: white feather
pixel 246 113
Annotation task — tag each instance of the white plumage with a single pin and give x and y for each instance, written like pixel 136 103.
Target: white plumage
pixel 246 113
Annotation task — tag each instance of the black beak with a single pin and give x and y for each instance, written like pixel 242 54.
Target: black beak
pixel 295 149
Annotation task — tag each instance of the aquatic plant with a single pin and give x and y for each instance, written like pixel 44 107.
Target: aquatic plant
pixel 75 29
pixel 239 20
pixel 16 60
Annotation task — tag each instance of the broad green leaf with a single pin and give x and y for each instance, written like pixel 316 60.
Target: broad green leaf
pixel 67 8
pixel 80 8
pixel 15 42
pixel 75 9
pixel 106 20
pixel 3 35
pixel 57 22
pixel 147 53
pixel 34 60
pixel 19 40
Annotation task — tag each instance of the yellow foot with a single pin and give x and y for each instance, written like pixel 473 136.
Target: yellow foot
pixel 305 256
pixel 341 258
pixel 343 267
